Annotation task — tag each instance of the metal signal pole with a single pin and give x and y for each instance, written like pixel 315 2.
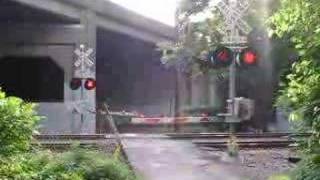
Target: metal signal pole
pixel 232 93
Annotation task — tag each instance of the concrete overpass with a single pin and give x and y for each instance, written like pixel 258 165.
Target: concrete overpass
pixel 48 31
pixel 105 14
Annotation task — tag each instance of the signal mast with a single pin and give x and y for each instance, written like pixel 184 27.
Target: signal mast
pixel 235 39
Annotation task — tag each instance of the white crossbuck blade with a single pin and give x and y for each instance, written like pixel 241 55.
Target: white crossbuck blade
pixel 233 14
pixel 84 62
pixel 84 57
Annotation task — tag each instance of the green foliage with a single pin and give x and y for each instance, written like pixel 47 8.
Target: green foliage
pixel 194 42
pixel 195 38
pixel 18 121
pixel 78 164
pixel 279 177
pixel 117 154
pixel 297 21
pixel 24 166
pixel 300 95
pixel 308 169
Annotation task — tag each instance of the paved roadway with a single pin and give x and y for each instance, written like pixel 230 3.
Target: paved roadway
pixel 166 159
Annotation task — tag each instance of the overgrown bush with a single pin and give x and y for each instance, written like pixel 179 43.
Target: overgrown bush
pixel 78 164
pixel 18 121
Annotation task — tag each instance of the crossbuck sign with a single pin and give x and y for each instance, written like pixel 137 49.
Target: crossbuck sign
pixel 233 12
pixel 84 62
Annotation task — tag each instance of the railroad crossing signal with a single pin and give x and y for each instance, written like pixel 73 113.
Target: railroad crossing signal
pixel 84 74
pixel 76 83
pixel 235 33
pixel 224 57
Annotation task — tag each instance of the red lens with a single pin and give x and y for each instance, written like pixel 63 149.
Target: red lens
pixel 223 56
pixel 90 84
pixel 250 57
pixel 75 83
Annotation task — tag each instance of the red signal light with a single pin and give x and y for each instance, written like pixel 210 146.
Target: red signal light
pixel 248 57
pixel 75 83
pixel 223 56
pixel 90 84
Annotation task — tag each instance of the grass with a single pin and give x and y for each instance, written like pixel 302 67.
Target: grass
pixel 280 177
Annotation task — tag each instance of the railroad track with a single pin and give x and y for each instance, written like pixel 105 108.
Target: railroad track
pixel 237 135
pixel 167 135
pixel 263 143
pixel 70 136
pixel 207 140
pixel 243 140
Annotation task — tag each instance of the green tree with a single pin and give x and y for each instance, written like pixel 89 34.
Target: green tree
pixel 195 38
pixel 298 22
